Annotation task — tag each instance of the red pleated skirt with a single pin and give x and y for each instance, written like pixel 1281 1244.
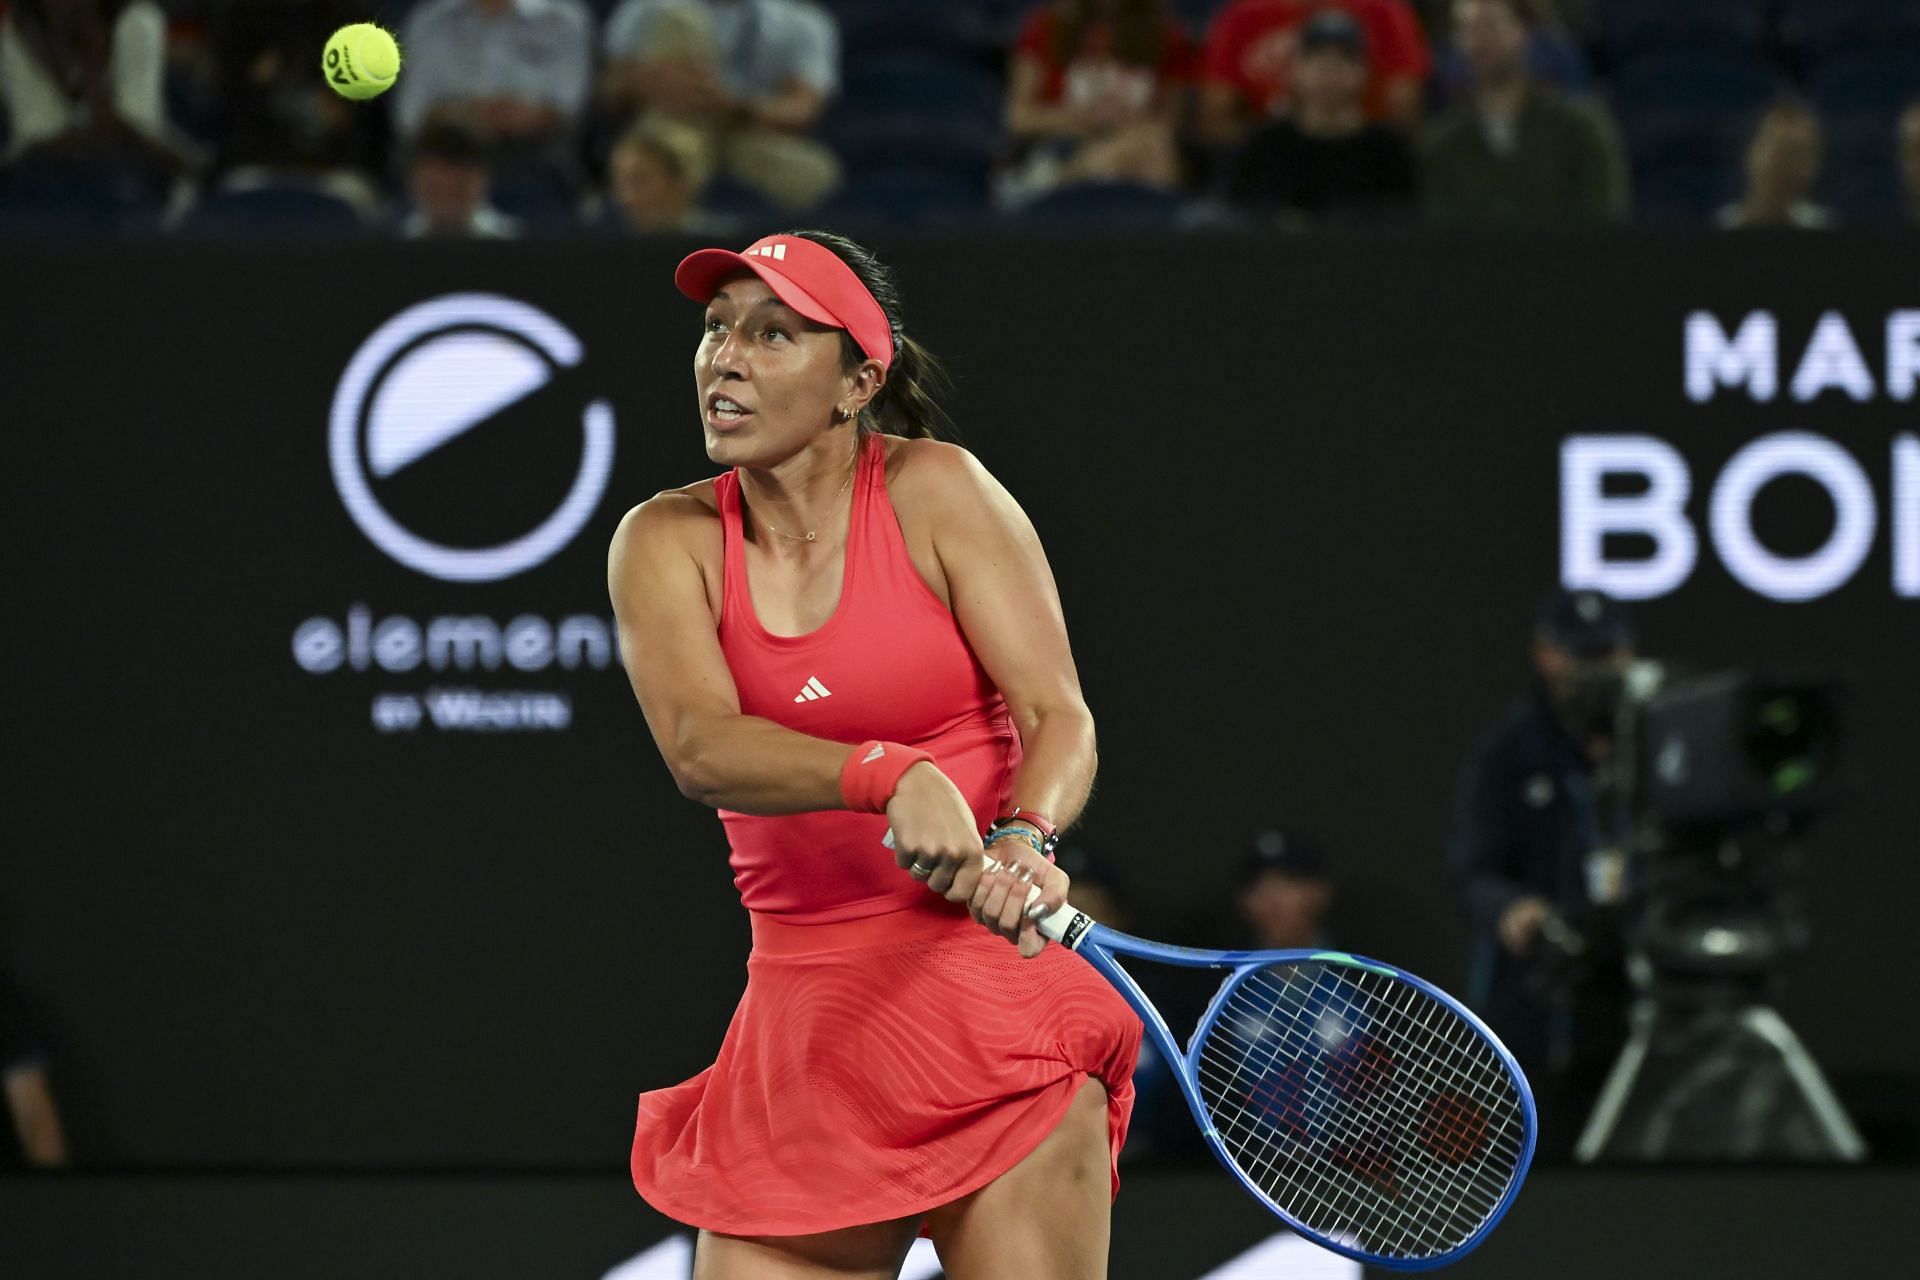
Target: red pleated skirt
pixel 879 1068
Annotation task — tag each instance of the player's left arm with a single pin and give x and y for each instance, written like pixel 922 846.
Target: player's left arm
pixel 1002 591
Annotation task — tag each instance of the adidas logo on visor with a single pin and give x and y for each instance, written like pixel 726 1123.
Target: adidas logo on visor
pixel 778 252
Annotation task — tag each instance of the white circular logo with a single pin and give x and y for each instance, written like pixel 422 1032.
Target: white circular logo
pixel 430 375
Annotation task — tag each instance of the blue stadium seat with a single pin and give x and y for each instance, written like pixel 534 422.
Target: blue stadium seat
pixel 1705 83
pixel 1681 196
pixel 1877 83
pixel 1197 13
pixel 537 198
pixel 890 28
pixel 868 144
pixel 1863 168
pixel 907 198
pixel 938 90
pixel 1632 27
pixel 732 199
pixel 1103 204
pixel 272 210
pixel 42 194
pixel 1819 28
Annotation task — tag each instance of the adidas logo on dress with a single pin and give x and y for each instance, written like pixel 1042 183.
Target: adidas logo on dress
pixel 812 691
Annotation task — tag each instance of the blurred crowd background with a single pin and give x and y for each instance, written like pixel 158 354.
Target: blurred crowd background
pixel 542 117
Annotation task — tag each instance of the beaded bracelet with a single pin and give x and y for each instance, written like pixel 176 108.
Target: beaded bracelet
pixel 1048 840
pixel 1033 818
pixel 1015 833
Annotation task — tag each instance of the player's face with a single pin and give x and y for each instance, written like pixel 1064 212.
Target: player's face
pixel 768 379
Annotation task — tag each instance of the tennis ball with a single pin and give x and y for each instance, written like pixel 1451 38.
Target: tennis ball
pixel 362 61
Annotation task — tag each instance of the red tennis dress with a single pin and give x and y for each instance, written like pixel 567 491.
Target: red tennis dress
pixel 889 1054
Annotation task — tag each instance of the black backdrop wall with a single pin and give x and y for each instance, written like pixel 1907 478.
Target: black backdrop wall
pixel 297 878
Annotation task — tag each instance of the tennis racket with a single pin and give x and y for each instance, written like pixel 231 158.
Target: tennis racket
pixel 1371 1111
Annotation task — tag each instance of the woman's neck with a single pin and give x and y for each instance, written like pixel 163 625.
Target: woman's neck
pixel 803 494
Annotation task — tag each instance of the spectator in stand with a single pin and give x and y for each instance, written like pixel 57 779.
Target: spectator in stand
pixel 1285 892
pixel 1783 164
pixel 81 83
pixel 516 72
pixel 279 123
pixel 1325 160
pixel 1247 64
pixel 1516 151
pixel 654 178
pixel 1094 94
pixel 1908 134
pixel 34 1138
pixel 448 178
pixel 752 76
pixel 1554 56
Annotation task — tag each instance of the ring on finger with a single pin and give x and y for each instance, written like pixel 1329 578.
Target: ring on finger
pixel 920 870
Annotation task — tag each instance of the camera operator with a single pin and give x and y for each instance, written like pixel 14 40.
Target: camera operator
pixel 1536 857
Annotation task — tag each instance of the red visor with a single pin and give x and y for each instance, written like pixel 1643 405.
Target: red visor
pixel 806 276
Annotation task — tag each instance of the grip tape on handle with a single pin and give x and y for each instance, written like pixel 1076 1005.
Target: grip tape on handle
pixel 1052 926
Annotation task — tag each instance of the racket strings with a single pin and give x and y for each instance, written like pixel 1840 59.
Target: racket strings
pixel 1371 1155
pixel 1367 1110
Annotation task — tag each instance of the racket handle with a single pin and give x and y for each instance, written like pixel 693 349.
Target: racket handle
pixel 1052 926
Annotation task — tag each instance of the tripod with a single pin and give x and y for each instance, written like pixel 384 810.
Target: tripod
pixel 1711 1071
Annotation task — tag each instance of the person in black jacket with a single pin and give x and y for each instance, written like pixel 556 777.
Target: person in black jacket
pixel 1325 160
pixel 1538 869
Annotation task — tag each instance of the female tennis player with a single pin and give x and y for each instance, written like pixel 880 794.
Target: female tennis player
pixel 853 629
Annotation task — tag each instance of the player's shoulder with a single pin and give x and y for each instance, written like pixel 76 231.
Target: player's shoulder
pixel 681 516
pixel 937 469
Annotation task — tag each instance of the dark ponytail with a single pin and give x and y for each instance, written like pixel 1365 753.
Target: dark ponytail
pixel 909 403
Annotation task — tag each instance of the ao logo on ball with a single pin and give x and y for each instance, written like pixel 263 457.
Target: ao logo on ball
pixel 429 376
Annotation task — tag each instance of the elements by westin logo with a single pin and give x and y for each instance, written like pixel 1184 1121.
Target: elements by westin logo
pixel 427 377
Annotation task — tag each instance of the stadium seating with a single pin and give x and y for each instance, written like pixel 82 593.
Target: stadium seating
pixel 891 28
pixel 1863 173
pixel 1702 83
pixel 1876 83
pixel 904 198
pixel 932 90
pixel 272 210
pixel 867 144
pixel 1628 28
pixel 730 199
pixel 1816 29
pixel 537 198
pixel 1102 204
pixel 48 195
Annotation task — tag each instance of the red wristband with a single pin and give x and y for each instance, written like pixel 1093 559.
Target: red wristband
pixel 872 772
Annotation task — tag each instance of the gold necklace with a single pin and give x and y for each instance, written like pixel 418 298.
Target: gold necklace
pixel 814 533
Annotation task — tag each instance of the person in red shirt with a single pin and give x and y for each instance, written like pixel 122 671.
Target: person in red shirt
pixel 1247 62
pixel 1095 92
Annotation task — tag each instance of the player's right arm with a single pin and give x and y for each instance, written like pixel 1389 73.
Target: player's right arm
pixel 718 755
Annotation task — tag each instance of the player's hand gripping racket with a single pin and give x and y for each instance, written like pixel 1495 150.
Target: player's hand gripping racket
pixel 1369 1109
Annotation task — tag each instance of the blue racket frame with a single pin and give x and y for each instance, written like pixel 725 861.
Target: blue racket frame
pixel 1097 945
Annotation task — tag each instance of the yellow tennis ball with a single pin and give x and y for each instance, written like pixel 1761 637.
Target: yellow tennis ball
pixel 362 61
